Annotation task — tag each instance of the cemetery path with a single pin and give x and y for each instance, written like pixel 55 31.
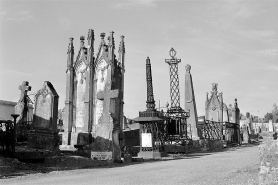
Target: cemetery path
pixel 233 166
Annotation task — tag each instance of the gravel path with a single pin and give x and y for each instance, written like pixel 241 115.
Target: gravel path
pixel 234 166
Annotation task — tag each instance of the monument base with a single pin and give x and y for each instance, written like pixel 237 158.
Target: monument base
pixel 151 154
pixel 43 140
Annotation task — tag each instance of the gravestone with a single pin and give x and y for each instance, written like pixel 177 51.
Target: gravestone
pixel 43 133
pixel 270 126
pixel 245 132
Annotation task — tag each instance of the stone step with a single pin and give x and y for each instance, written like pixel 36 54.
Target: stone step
pixel 137 159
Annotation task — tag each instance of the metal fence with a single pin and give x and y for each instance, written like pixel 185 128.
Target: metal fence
pixel 211 130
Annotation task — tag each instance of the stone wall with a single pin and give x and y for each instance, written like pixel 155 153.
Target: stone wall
pixel 269 162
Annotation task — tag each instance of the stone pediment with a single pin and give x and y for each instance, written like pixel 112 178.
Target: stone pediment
pixel 214 101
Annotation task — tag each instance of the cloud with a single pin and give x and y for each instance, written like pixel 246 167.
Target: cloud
pixel 257 34
pixel 133 3
pixel 14 73
pixel 17 15
pixel 271 67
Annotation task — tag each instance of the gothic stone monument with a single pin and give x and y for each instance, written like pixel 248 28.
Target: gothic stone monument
pixel 94 100
pixel 190 104
pixel 43 133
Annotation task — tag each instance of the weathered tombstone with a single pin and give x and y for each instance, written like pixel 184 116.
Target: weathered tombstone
pixel 43 133
pixel 245 132
pixel 270 126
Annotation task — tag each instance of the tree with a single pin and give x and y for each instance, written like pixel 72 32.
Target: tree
pixel 267 117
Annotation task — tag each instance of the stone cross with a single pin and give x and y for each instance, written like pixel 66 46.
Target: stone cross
pixel 108 94
pixel 24 89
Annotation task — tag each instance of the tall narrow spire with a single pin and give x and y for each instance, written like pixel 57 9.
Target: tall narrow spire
pixel 122 52
pixel 111 45
pixel 70 52
pixel 82 38
pixel 91 39
pixel 102 35
pixel 150 99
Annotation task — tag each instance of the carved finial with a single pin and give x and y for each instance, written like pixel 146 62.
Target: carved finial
pixel 148 61
pixel 102 35
pixel 236 106
pixel 187 68
pixel 82 38
pixel 122 45
pixel 214 86
pixel 91 37
pixel 70 48
pixel 111 40
pixel 172 53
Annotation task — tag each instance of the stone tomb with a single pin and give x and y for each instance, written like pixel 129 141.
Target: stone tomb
pixel 94 99
pixel 43 133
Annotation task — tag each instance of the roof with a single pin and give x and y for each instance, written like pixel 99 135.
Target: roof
pixel 148 119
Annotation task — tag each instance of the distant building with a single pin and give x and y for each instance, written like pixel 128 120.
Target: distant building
pixel 8 107
pixel 217 110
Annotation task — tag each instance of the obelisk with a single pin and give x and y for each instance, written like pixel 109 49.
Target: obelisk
pixel 190 104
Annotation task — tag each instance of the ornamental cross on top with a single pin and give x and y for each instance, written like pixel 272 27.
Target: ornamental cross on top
pixel 24 89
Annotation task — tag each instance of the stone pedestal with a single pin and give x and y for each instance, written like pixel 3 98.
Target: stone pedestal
pixel 43 140
pixel 152 154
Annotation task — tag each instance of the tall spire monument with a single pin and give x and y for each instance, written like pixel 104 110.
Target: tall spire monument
pixel 190 103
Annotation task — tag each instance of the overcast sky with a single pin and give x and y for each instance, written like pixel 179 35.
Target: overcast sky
pixel 232 43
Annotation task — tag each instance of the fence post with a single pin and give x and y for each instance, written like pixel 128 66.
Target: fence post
pixel 14 134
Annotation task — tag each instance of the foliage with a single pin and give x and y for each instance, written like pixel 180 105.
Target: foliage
pixel 272 115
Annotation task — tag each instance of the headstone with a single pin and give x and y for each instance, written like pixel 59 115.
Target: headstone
pixel 43 133
pixel 245 133
pixel 190 104
pixel 270 126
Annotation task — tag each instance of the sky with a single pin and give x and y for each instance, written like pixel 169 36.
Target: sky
pixel 232 43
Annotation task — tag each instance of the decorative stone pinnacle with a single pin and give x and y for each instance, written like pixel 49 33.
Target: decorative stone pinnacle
pixel 82 38
pixel 102 35
pixel 122 38
pixel 236 103
pixel 214 86
pixel 188 68
pixel 70 48
pixel 172 53
pixel 91 34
